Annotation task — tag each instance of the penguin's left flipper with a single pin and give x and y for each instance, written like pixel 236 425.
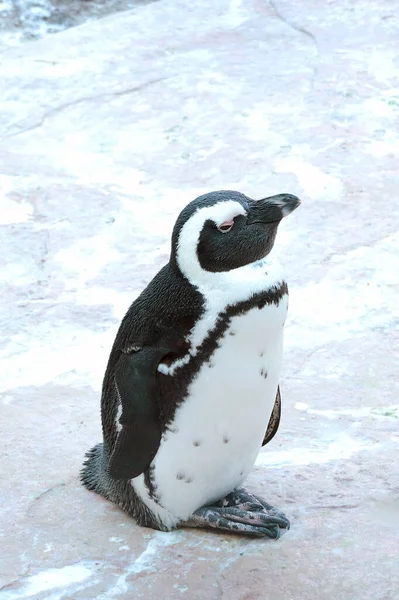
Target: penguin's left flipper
pixel 241 512
pixel 274 420
pixel 136 384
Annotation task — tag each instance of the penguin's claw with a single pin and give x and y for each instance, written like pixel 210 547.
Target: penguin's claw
pixel 241 512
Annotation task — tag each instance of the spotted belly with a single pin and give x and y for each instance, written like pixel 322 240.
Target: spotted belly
pixel 212 443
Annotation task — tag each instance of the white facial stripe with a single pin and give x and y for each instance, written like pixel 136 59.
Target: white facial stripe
pixel 230 215
pixel 189 235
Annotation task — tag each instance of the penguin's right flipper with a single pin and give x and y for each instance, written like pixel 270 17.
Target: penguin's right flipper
pixel 138 441
pixel 274 420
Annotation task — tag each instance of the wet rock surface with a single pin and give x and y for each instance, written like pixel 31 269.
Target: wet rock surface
pixel 106 131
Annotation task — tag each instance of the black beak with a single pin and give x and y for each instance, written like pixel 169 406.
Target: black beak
pixel 272 209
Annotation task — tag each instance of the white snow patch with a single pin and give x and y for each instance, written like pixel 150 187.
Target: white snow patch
pixel 205 153
pixel 342 448
pixel 315 183
pixel 381 148
pixel 335 414
pixel 10 210
pixel 378 112
pixel 68 356
pixel 18 274
pixel 301 406
pixel 354 296
pixel 258 122
pixel 381 64
pixel 376 108
pixel 85 258
pixel 391 411
pixel 48 580
pixel 237 13
pixel 97 296
pixel 144 562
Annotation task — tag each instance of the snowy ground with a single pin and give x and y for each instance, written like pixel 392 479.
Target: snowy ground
pixel 106 131
pixel 25 20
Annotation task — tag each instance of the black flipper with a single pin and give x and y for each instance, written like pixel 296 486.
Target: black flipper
pixel 274 420
pixel 140 436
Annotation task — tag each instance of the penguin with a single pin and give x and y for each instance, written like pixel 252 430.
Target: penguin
pixel 191 389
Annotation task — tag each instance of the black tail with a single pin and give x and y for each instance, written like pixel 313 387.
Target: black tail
pixel 94 476
pixel 90 474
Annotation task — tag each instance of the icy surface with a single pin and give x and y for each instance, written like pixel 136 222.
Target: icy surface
pixel 106 131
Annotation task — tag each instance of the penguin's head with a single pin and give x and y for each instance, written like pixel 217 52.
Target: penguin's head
pixel 225 230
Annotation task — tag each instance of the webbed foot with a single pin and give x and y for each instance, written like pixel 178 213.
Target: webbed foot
pixel 241 512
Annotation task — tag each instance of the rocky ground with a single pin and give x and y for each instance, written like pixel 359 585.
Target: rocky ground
pixel 106 131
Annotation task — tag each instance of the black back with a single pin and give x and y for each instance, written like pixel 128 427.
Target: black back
pixel 164 313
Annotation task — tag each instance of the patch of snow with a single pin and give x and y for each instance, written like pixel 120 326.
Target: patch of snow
pixel 144 562
pixel 315 183
pixel 85 258
pixel 10 210
pixel 342 448
pixel 50 579
pixel 70 356
pixel 350 299
pixel 365 411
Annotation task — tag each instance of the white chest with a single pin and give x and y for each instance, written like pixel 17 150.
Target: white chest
pixel 218 430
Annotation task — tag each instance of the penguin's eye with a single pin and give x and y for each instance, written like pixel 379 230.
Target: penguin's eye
pixel 226 226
